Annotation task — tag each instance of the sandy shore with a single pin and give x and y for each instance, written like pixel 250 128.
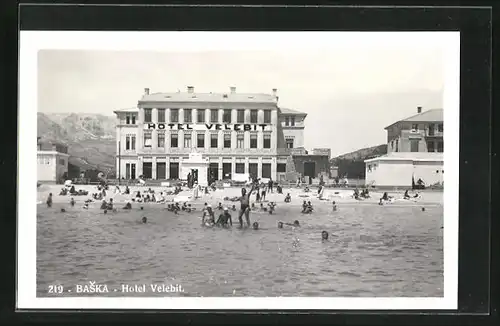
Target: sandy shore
pixel 214 197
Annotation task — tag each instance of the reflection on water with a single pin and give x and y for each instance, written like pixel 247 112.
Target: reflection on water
pixel 372 251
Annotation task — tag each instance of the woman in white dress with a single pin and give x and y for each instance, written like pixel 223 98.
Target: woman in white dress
pixel 196 190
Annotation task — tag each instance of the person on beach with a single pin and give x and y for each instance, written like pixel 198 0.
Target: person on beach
pixel 279 189
pixel 233 208
pixel 110 204
pixel 104 205
pixel 255 225
pixel 72 202
pixel 263 193
pixel 49 200
pixel 406 195
pixel 245 205
pixel 257 196
pixel 144 220
pixel 85 205
pixel 219 207
pixel 288 198
pixel 280 225
pixel 334 206
pixel 271 207
pixel 208 218
pixel 224 218
pixel 127 190
pixel 270 185
pixel 128 205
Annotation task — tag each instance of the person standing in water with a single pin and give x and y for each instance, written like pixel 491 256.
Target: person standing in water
pixel 245 205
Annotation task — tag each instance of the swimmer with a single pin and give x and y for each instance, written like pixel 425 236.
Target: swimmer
pixel 324 235
pixel 423 209
pixel 210 221
pixel 85 205
pixel 63 210
pixel 128 205
pixel 110 204
pixel 253 206
pixel 104 204
pixel 255 225
pixel 49 200
pixel 144 220
pixel 245 205
pixel 72 202
pixel 280 225
pixel 224 218
pixel 334 205
pixel 105 211
pixel 142 208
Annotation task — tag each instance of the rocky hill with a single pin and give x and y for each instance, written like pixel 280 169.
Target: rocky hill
pixel 90 137
pixel 353 164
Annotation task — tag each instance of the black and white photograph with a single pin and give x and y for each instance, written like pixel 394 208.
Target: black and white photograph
pixel 225 166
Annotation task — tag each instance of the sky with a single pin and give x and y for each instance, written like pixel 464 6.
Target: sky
pixel 350 93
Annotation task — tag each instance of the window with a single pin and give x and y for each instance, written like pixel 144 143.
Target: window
pixel 414 145
pixel 188 115
pixel 161 139
pixel 240 140
pixel 187 140
pixel 240 116
pixel 267 116
pixel 431 130
pixel 174 140
pixel 227 140
pixel 214 140
pixel 267 141
pixel 174 115
pixel 239 168
pixel 369 168
pixel 127 143
pixel 62 161
pixel 430 146
pixel 127 171
pixel 287 121
pixel 397 145
pixel 226 116
pixel 214 115
pixel 133 119
pixel 132 142
pixel 392 145
pixel 200 116
pixel 266 170
pixel 253 116
pixel 148 116
pixel 440 147
pixel 289 142
pixel 200 140
pixel 147 138
pixel 147 170
pixel 127 119
pixel 161 115
pixel 253 140
pixel 292 121
pixel 440 127
pixel 281 167
pixel 414 127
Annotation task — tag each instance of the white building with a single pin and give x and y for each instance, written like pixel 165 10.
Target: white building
pixel 52 162
pixel 399 169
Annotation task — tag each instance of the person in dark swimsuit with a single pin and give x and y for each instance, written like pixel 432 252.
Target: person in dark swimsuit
pixel 245 205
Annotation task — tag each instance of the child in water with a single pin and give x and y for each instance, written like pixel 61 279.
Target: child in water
pixel 49 200
pixel 72 202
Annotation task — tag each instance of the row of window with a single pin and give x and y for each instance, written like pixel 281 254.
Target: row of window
pixel 200 116
pixel 130 141
pixel 161 168
pixel 48 160
pixel 432 146
pixel 430 127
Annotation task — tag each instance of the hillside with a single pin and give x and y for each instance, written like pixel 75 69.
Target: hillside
pixel 90 137
pixel 352 164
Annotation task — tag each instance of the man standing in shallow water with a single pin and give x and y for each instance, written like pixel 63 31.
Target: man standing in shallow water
pixel 245 205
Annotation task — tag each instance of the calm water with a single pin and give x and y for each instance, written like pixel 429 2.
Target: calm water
pixel 373 251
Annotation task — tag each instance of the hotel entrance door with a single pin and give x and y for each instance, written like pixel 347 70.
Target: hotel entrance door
pixel 213 172
pixel 310 170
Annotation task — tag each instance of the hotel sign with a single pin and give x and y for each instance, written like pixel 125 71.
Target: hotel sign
pixel 206 126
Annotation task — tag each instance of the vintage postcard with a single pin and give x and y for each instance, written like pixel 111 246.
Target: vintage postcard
pixel 228 170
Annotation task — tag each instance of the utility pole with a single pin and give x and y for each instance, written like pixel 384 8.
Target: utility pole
pixel 119 162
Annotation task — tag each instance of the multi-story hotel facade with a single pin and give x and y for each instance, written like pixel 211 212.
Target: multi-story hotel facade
pixel 220 135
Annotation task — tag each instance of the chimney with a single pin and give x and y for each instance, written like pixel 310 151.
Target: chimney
pixel 146 91
pixel 233 89
pixel 419 109
pixel 190 89
pixel 275 91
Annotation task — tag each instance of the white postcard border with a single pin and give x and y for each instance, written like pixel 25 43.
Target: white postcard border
pixel 33 41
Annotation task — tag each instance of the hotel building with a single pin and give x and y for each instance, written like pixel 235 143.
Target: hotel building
pixel 220 135
pixel 414 151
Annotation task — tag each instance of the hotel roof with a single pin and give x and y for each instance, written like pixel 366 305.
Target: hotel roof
pixel 291 112
pixel 209 97
pixel 126 110
pixel 433 115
